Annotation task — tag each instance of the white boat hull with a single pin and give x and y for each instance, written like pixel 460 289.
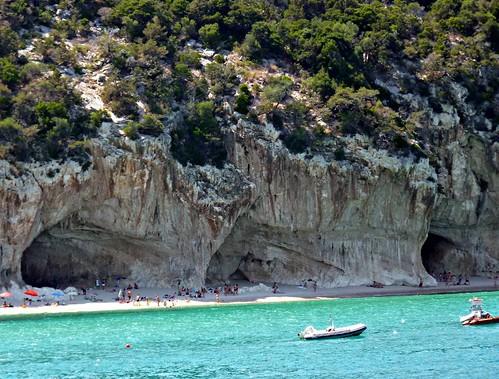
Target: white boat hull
pixel 310 333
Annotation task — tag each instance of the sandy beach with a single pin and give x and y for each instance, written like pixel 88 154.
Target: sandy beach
pixel 250 294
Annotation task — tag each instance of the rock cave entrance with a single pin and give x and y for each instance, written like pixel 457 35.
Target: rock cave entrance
pixel 42 268
pixel 225 267
pixel 441 254
pixel 56 262
pixel 239 275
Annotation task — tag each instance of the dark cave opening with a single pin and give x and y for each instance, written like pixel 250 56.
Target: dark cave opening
pixel 40 268
pixel 239 275
pixel 59 262
pixel 439 254
pixel 223 267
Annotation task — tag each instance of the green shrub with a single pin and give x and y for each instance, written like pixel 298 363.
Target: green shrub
pixel 32 70
pixel 203 121
pixel 219 59
pixel 48 112
pixel 297 141
pixel 354 109
pixel 321 83
pixel 210 34
pixel 5 100
pixel 276 90
pixel 134 15
pixel 10 41
pixel 223 78
pixel 243 100
pixel 151 125
pixel 121 97
pixel 131 130
pixel 190 58
pixel 200 142
pixel 96 118
pixel 9 129
pixel 296 112
pixel 9 74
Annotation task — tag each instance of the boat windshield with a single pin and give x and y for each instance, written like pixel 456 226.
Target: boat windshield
pixel 476 304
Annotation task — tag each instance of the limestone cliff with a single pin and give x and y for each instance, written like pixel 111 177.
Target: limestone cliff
pixel 465 220
pixel 267 216
pixel 135 213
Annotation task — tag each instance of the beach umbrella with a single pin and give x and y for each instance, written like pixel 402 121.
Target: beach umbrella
pixel 31 293
pixel 69 290
pixel 57 293
pixel 5 294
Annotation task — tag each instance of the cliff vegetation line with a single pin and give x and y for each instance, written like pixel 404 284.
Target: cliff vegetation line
pixel 311 68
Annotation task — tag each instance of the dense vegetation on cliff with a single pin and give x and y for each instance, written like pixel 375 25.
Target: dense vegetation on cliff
pixel 310 67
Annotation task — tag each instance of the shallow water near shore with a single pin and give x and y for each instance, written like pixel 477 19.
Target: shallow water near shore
pixel 407 337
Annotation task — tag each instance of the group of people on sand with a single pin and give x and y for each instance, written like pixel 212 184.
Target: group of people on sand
pixel 125 295
pixel 231 290
pixel 449 278
pixel 196 293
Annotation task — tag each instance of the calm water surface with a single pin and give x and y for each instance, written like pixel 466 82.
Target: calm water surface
pixel 407 337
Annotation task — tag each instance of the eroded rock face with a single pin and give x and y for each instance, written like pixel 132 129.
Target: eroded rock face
pixel 467 207
pixel 157 220
pixel 336 222
pixel 267 216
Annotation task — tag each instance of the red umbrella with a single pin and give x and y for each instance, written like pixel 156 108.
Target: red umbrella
pixel 31 293
pixel 5 294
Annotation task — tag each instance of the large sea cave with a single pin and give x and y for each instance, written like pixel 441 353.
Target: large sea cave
pixel 441 254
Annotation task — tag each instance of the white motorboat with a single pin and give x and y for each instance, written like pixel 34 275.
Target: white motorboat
pixel 310 333
pixel 477 315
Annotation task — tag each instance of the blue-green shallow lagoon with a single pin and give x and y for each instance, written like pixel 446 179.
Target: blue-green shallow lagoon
pixel 407 337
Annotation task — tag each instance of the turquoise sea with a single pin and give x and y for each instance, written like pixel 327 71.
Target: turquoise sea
pixel 407 337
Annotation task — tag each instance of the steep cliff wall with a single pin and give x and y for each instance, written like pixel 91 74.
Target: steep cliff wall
pixel 466 213
pixel 269 215
pixel 340 223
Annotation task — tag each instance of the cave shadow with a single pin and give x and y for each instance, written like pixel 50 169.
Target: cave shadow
pixel 58 263
pixel 440 254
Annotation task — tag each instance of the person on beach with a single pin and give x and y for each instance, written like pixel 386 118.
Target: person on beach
pixel 315 285
pixel 120 295
pixel 129 294
pixel 275 287
pixel 97 283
